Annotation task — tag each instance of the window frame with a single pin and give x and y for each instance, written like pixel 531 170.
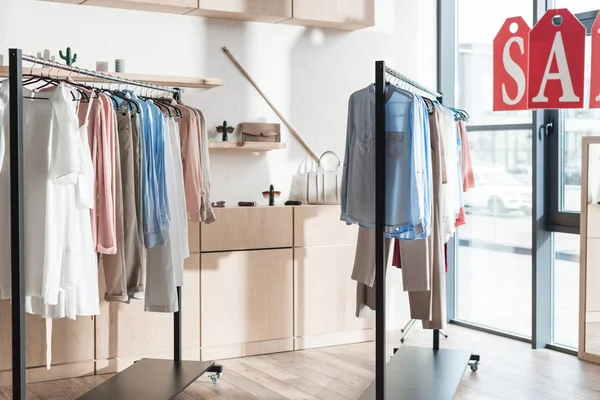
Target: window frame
pixel 553 124
pixel 546 218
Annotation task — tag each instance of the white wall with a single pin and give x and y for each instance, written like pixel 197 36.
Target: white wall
pixel 308 73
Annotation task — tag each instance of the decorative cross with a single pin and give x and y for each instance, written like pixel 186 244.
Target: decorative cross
pixel 224 129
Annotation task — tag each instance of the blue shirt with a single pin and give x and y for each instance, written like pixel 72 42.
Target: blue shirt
pixel 164 213
pixel 153 232
pixel 408 171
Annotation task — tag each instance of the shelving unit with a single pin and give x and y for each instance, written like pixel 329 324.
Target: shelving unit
pixel 163 80
pixel 248 146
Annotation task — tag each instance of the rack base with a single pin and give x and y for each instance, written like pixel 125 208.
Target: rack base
pixel 150 379
pixel 418 373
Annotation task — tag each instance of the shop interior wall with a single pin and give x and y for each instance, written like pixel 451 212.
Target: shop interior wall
pixel 308 73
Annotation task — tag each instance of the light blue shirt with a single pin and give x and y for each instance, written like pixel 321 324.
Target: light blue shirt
pixel 421 161
pixel 159 127
pixel 153 233
pixel 408 178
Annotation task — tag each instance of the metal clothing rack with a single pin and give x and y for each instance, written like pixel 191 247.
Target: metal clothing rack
pixel 145 379
pixel 409 327
pixel 416 373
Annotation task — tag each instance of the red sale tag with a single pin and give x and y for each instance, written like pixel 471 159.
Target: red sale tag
pixel 557 61
pixel 511 56
pixel 595 82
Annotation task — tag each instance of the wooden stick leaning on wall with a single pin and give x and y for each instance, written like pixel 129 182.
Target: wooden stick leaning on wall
pixel 283 119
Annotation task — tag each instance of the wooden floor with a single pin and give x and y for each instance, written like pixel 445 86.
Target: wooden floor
pixel 509 370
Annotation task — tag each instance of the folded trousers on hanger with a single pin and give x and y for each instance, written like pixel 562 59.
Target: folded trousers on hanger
pixel 124 271
pixel 364 271
pixel 430 305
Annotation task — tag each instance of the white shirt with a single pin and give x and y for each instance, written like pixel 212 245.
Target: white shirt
pixel 50 165
pixel 175 188
pixel 451 189
pixel 56 229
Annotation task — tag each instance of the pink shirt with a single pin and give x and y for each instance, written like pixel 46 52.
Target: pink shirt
pixel 101 135
pixel 466 168
pixel 192 165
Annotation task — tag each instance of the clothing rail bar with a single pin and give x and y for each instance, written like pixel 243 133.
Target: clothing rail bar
pixel 417 85
pixel 105 77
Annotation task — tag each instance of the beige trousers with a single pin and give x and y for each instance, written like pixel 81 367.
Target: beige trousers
pixel 430 305
pixel 123 271
pixel 364 271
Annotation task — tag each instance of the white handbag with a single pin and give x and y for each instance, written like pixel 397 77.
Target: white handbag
pixel 324 185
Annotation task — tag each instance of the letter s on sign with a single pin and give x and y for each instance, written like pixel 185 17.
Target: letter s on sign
pixel 514 70
pixel 511 57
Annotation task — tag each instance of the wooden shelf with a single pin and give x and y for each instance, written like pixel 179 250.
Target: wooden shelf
pixel 251 146
pixel 164 80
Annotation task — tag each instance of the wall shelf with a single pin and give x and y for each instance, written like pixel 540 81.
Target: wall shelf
pixel 164 80
pixel 249 146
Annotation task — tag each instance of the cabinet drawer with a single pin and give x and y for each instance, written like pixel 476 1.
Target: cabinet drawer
pixel 337 14
pixel 249 228
pixel 325 296
pixel 593 221
pixel 164 6
pixel 321 226
pixel 246 296
pixel 246 10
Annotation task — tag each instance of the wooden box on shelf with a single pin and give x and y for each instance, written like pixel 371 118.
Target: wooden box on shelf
pixel 247 10
pixel 336 14
pixel 164 6
pixel 248 146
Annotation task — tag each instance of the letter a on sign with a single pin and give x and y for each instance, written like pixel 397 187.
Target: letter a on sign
pixel 595 84
pixel 557 61
pixel 511 55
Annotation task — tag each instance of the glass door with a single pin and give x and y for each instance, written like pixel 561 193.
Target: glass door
pixel 563 201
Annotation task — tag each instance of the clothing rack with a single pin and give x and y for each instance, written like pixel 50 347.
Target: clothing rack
pixel 417 373
pixel 145 379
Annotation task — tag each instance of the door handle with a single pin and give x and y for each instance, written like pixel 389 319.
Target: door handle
pixel 547 128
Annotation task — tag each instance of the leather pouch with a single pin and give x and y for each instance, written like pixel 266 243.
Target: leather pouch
pixel 261 132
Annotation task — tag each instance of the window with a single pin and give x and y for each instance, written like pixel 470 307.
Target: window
pixel 577 124
pixel 566 290
pixel 564 143
pixel 494 247
pixel 563 199
pixel 493 270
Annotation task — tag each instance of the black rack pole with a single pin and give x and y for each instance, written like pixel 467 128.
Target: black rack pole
pixel 177 320
pixel 16 223
pixel 380 255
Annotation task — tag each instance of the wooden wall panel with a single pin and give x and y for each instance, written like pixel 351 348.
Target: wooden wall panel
pixel 72 340
pixel 321 226
pixel 125 332
pixel 246 297
pixel 242 228
pixel 194 237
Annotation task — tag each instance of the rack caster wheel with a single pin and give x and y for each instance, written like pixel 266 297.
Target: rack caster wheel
pixel 474 366
pixel 215 378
